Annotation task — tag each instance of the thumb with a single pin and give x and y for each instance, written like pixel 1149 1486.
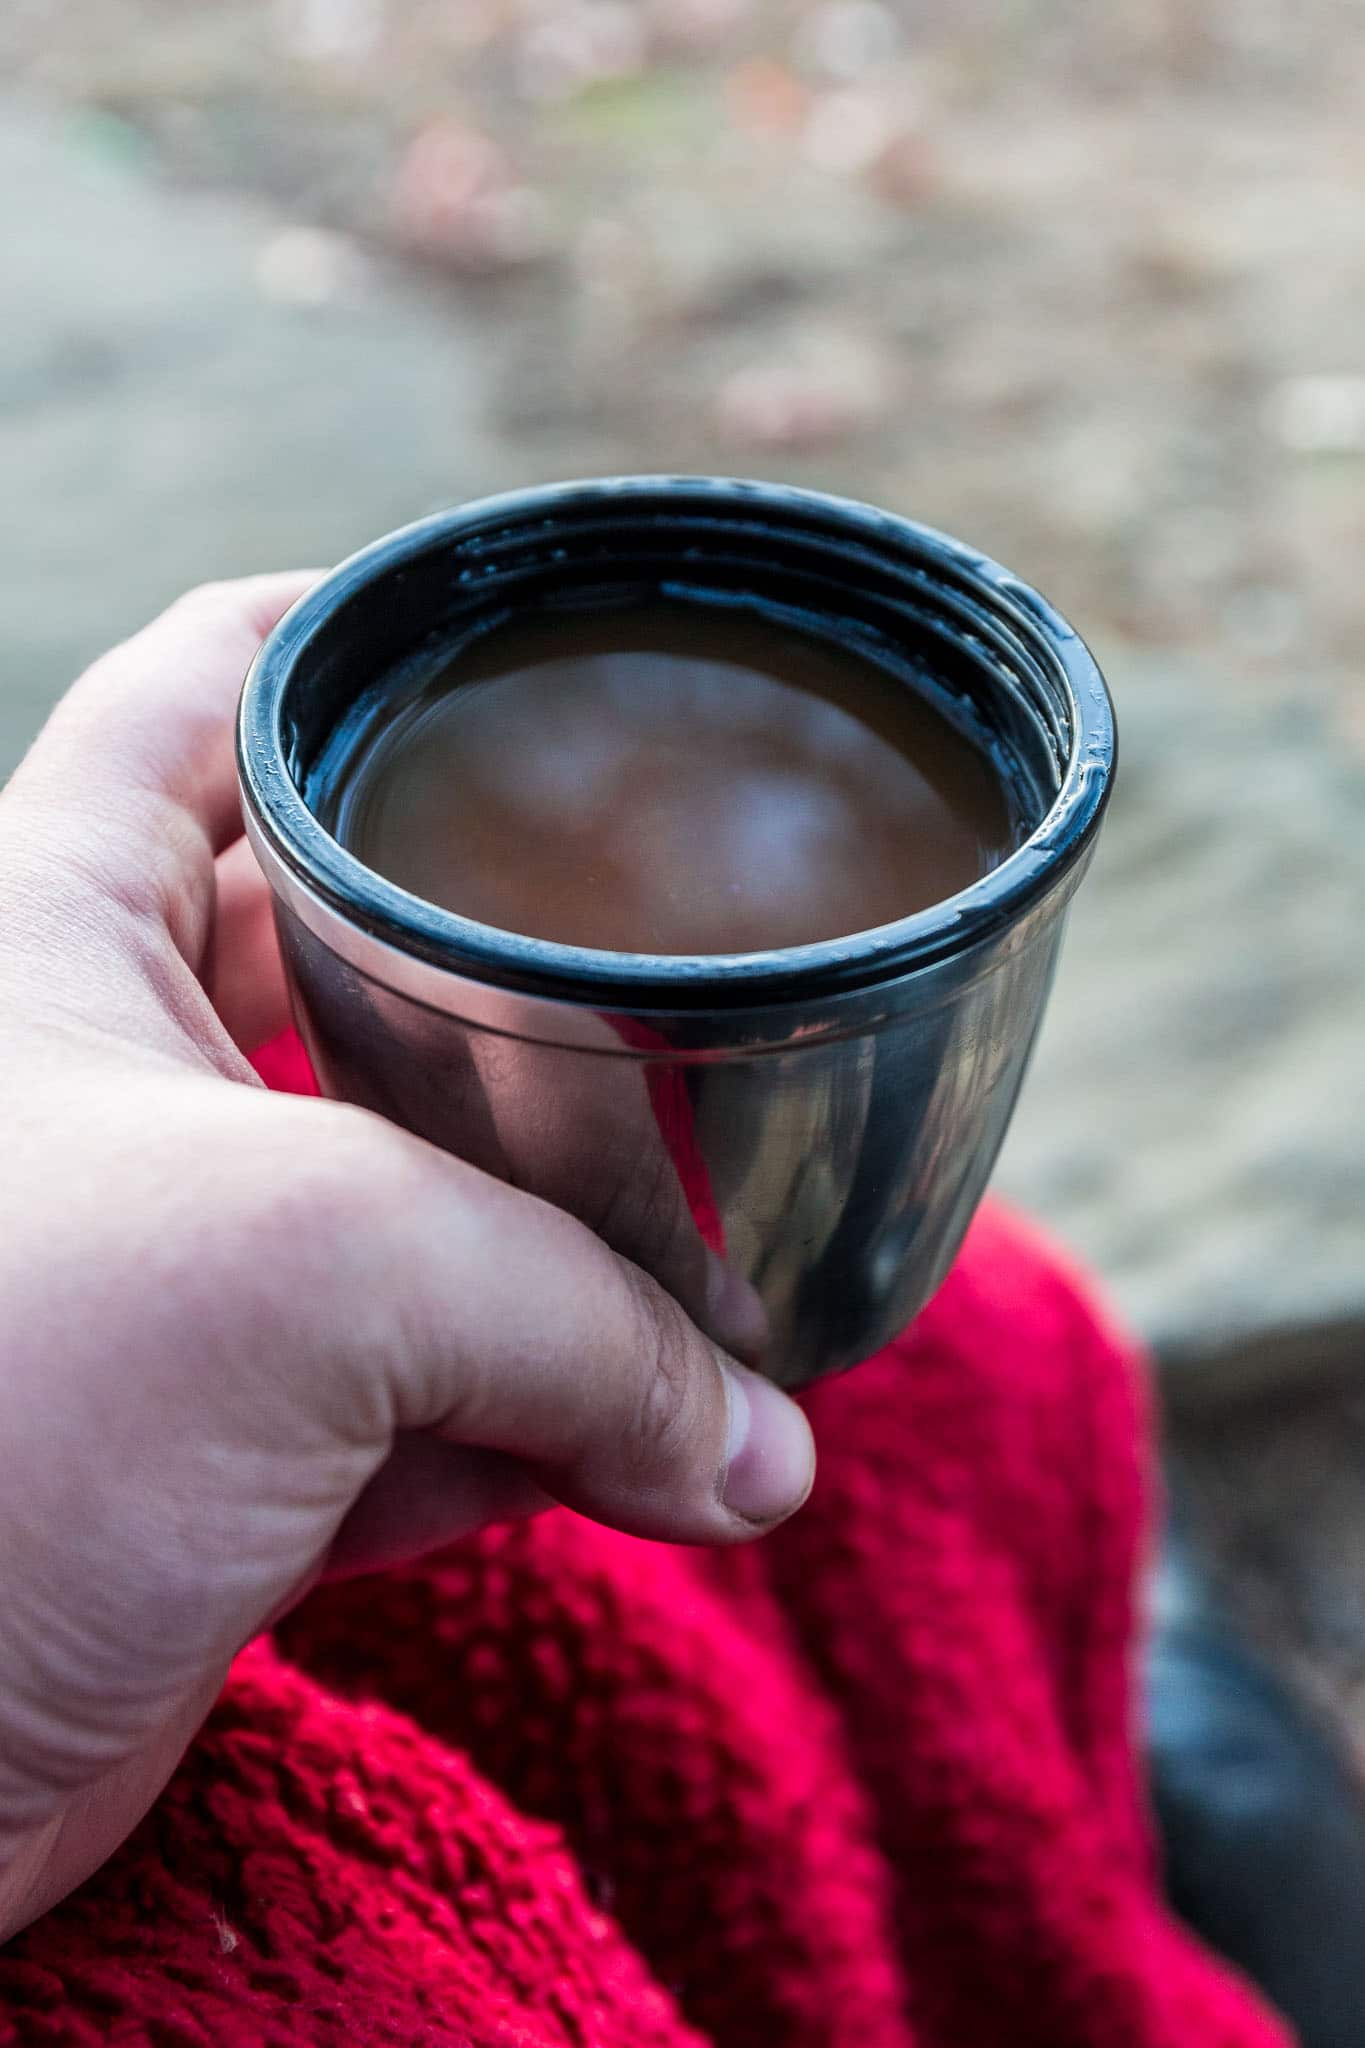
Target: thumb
pixel 507 1326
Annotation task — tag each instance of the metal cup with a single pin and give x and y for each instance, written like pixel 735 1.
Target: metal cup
pixel 793 1142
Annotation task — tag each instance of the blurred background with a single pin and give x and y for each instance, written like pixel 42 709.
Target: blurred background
pixel 1083 284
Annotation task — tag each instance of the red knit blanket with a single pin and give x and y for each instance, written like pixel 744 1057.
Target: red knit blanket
pixel 866 1784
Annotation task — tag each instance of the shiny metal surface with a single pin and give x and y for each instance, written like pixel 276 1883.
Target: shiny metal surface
pixel 809 1132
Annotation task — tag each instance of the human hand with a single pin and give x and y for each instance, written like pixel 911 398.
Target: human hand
pixel 248 1338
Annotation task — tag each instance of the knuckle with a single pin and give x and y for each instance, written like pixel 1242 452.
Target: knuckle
pixel 209 609
pixel 305 1266
pixel 644 1215
pixel 211 596
pixel 324 1181
pixel 663 1428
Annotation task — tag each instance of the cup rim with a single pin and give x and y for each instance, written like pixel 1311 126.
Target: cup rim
pixel 641 981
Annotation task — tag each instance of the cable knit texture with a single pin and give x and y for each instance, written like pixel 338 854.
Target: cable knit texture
pixel 867 1784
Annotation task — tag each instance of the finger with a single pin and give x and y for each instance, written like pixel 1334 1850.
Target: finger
pixel 132 782
pixel 425 1495
pixel 580 1132
pixel 511 1327
pixel 155 713
pixel 585 1135
pixel 242 971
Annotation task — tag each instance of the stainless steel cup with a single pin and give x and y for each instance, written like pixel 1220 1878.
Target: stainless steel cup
pixel 793 1142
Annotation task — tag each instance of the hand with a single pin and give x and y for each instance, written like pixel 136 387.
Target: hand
pixel 248 1338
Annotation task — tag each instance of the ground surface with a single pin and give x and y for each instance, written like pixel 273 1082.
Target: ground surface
pixel 1089 292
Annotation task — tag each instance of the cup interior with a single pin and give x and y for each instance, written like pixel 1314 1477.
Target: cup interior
pixel 989 654
pixel 387 635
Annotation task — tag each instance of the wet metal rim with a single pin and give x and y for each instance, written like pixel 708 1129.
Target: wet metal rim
pixel 639 981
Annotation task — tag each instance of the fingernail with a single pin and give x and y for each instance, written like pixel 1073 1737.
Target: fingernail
pixel 769 1452
pixel 734 1312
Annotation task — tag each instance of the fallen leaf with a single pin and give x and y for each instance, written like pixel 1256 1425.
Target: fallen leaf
pixel 766 98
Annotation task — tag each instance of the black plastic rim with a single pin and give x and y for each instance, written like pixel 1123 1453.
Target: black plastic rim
pixel 1002 619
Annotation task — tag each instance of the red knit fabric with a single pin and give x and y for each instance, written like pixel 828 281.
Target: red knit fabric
pixel 867 1784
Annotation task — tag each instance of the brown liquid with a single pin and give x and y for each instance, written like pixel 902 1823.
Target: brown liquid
pixel 671 779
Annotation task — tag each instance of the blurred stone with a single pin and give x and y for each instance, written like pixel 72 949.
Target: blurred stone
pixel 696 27
pixel 609 254
pixel 801 404
pixel 1319 415
pixel 1105 469
pixel 461 30
pixel 579 44
pixel 455 199
pixel 846 133
pixel 307 266
pixel 331 31
pixel 1170 259
pixel 907 172
pixel 846 39
pixel 620 296
pixel 1267 621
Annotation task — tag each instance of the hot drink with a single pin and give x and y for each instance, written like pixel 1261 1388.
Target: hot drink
pixel 670 778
